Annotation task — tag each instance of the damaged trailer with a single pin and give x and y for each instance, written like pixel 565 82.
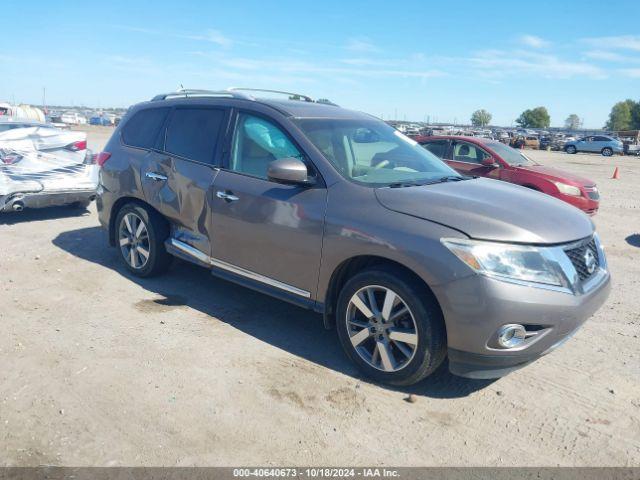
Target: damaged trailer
pixel 41 166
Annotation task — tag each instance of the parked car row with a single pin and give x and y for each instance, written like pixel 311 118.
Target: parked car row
pixel 333 210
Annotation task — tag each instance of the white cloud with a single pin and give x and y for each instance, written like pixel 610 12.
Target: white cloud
pixel 630 72
pixel 293 66
pixel 496 63
pixel 533 41
pixel 623 42
pixel 361 44
pixel 607 56
pixel 213 36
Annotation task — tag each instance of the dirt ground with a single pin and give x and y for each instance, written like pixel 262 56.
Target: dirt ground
pixel 100 368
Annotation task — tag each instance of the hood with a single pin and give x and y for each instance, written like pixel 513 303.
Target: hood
pixel 559 175
pixel 487 209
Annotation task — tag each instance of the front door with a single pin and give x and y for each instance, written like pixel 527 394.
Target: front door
pixel 587 144
pixel 179 175
pixel 264 231
pixel 467 158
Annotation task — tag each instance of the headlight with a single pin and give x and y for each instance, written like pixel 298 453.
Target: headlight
pixel 568 189
pixel 505 261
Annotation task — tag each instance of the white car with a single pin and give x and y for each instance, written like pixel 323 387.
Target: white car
pixel 43 166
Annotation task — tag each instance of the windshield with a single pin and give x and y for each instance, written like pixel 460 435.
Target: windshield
pixel 371 152
pixel 511 155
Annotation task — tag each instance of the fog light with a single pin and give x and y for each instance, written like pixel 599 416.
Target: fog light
pixel 511 336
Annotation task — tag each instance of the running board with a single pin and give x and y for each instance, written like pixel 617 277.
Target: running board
pixel 203 258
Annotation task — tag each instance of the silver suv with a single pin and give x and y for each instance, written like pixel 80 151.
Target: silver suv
pixel 335 211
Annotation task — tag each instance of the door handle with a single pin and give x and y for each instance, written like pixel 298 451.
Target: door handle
pixel 229 197
pixel 156 176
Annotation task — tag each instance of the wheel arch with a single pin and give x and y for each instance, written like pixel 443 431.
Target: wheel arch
pixel 349 267
pixel 117 205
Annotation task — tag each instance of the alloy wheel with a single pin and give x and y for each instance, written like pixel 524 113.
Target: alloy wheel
pixel 133 238
pixel 382 328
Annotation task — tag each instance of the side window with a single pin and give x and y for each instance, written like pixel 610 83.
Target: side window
pixel 193 133
pixel 258 142
pixel 142 129
pixel 466 152
pixel 602 139
pixel 437 147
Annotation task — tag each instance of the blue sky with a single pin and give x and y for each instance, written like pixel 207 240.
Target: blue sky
pixel 412 59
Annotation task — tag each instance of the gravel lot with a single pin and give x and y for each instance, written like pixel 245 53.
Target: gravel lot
pixel 99 368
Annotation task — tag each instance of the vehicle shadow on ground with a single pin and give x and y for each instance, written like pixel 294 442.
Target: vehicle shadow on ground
pixel 40 214
pixel 278 323
pixel 633 240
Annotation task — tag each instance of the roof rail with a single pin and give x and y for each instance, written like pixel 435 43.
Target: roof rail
pixel 234 92
pixel 189 92
pixel 300 96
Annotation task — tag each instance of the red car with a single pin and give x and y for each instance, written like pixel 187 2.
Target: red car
pixel 483 157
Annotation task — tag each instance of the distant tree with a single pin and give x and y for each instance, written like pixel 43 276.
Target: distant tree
pixel 480 118
pixel 573 122
pixel 622 116
pixel 534 118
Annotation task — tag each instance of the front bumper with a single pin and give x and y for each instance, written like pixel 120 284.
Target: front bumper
pixel 586 204
pixel 476 307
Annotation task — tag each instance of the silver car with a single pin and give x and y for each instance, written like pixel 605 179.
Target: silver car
pixel 335 211
pixel 602 144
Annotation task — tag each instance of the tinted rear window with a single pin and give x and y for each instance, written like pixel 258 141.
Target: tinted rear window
pixel 193 133
pixel 142 129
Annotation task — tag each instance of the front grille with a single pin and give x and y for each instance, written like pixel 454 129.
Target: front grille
pixel 578 256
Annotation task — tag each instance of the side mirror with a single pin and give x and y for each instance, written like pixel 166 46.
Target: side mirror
pixel 490 162
pixel 289 171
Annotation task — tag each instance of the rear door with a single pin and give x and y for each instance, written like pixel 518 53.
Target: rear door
pixel 600 142
pixel 178 177
pixel 437 147
pixel 266 232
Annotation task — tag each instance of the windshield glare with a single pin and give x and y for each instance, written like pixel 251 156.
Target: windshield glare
pixel 373 153
pixel 511 155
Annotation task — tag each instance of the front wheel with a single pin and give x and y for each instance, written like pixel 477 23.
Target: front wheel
pixel 570 149
pixel 390 326
pixel 140 237
pixel 607 152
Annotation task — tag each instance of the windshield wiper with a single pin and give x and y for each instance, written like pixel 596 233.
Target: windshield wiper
pixel 405 184
pixel 452 178
pixel 447 178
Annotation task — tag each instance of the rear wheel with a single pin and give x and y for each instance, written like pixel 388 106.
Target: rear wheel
pixel 570 149
pixel 140 237
pixel 390 327
pixel 607 152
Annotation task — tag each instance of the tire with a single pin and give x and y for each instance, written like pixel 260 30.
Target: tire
pixel 406 363
pixel 607 152
pixel 157 259
pixel 571 149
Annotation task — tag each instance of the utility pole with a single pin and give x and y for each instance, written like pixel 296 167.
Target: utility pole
pixel 44 100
